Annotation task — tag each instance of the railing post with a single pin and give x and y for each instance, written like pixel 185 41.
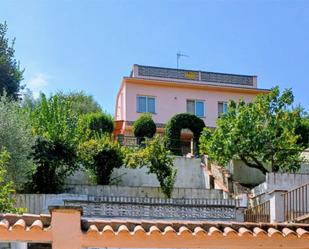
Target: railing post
pixel 276 202
pixel 66 227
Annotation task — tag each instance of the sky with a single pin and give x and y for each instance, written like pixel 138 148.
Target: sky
pixel 89 45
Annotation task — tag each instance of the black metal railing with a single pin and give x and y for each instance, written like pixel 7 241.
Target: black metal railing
pixel 259 213
pixel 296 204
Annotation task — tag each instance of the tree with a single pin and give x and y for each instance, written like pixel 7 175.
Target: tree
pixel 93 124
pixel 303 130
pixel 261 134
pixel 55 152
pixel 10 73
pixel 144 126
pixel 158 160
pixel 53 119
pixel 8 202
pixel 81 102
pixel 54 160
pixel 101 156
pixel 16 137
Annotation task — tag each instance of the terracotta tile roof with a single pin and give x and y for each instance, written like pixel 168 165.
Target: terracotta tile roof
pixel 158 227
pixel 229 229
pixel 25 221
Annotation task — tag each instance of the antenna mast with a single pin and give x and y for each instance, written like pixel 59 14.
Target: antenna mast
pixel 179 55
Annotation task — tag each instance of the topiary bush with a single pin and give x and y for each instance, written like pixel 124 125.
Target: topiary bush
pixel 176 124
pixel 144 126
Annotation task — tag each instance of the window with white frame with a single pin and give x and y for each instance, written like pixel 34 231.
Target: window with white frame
pixel 146 104
pixel 222 108
pixel 196 107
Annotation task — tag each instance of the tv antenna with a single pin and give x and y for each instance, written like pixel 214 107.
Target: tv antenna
pixel 179 55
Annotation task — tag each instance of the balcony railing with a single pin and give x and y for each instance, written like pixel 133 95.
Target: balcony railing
pixel 296 204
pixel 185 146
pixel 259 213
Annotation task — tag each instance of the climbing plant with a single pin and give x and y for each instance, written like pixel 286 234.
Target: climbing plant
pixel 176 124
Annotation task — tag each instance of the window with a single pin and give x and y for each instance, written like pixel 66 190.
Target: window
pixel 146 104
pixel 222 108
pixel 196 107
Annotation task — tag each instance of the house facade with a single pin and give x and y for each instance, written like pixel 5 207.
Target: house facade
pixel 164 92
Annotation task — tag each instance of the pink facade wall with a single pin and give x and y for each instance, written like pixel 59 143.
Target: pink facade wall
pixel 172 100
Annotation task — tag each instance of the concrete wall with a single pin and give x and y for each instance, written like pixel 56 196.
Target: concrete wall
pixel 38 203
pixel 155 192
pixel 189 175
pixel 245 175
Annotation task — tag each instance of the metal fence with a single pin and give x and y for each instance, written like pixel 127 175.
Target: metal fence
pixel 259 213
pixel 296 204
pixel 183 146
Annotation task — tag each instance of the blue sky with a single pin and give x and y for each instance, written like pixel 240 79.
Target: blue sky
pixel 90 45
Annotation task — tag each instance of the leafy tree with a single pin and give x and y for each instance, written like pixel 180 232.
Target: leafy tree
pixel 144 126
pixel 10 73
pixel 55 150
pixel 7 200
pixel 100 156
pixel 53 119
pixel 16 137
pixel 92 124
pixel 303 131
pixel 54 160
pixel 81 102
pixel 158 160
pixel 261 133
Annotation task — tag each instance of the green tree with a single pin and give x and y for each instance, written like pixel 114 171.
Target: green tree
pixel 53 119
pixel 7 200
pixel 93 124
pixel 261 133
pixel 54 160
pixel 81 102
pixel 303 130
pixel 10 73
pixel 16 137
pixel 144 126
pixel 100 157
pixel 158 160
pixel 55 152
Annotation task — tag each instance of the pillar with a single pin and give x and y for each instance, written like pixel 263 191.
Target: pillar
pixel 66 227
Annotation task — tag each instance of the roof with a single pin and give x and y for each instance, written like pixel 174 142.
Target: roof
pixel 141 71
pixel 192 84
pixel 30 222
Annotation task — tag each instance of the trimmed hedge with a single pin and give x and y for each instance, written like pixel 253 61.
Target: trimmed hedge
pixel 144 126
pixel 176 124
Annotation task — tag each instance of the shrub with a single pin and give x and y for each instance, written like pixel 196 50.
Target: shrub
pixel 93 124
pixel 8 202
pixel 158 160
pixel 176 124
pixel 144 126
pixel 16 137
pixel 55 160
pixel 100 156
